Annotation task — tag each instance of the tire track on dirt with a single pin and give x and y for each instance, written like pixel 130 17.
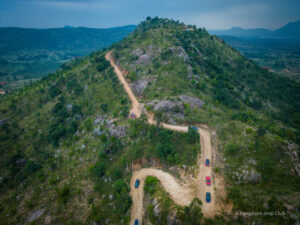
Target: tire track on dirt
pixel 181 193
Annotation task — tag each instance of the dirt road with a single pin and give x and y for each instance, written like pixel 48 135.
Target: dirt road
pixel 135 104
pixel 181 193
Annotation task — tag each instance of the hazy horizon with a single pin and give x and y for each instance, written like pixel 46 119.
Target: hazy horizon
pixel 215 14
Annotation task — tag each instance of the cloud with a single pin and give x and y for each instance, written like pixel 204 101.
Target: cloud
pixel 104 13
pixel 77 4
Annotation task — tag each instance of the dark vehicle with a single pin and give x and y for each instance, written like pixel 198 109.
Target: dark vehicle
pixel 194 128
pixel 207 162
pixel 136 222
pixel 207 197
pixel 137 183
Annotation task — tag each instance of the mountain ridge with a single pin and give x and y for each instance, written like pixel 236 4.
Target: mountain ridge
pixel 67 144
pixel 290 30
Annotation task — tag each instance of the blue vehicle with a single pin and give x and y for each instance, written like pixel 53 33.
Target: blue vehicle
pixel 137 183
pixel 136 222
pixel 194 128
pixel 207 197
pixel 207 162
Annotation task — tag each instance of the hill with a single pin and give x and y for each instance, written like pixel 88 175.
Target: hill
pixel 241 32
pixel 27 54
pixel 67 144
pixel 289 31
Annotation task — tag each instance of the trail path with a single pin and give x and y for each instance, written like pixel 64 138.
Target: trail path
pixel 181 193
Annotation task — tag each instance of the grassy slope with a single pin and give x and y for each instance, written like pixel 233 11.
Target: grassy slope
pixel 254 112
pixel 51 160
pixel 67 169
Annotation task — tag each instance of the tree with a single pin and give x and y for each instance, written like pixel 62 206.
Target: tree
pixel 193 135
pixel 104 107
pixel 191 214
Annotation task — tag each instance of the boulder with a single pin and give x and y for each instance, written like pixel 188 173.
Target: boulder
pixel 21 162
pixel 69 107
pixel 97 131
pixel 35 215
pixel 167 106
pixel 138 52
pixel 144 59
pixel 118 131
pixel 139 86
pixel 172 219
pixel 100 119
pixel 194 102
pixel 179 51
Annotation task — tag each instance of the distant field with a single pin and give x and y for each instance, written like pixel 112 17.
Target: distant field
pixel 30 54
pixel 279 55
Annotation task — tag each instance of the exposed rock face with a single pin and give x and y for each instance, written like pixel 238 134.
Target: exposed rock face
pixel 97 131
pixel 99 120
pixel 292 151
pixel 180 52
pixel 36 214
pixel 69 107
pixel 167 106
pixel 139 86
pixel 138 52
pixel 194 102
pixel 144 59
pixel 172 219
pixel 247 176
pixel 146 54
pixel 118 131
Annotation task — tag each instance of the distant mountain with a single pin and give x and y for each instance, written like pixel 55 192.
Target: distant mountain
pixel 290 31
pixel 240 32
pixel 67 144
pixel 68 38
pixel 27 54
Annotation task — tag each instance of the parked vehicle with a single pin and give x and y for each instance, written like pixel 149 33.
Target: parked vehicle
pixel 207 163
pixel 136 222
pixel 132 115
pixel 208 181
pixel 137 183
pixel 207 197
pixel 194 128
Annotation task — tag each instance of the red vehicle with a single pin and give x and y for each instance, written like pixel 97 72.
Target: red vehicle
pixel 132 115
pixel 208 181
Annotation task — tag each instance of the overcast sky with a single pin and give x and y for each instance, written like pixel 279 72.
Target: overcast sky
pixel 211 14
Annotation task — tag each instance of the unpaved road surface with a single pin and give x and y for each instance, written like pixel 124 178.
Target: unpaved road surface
pixel 182 194
pixel 135 104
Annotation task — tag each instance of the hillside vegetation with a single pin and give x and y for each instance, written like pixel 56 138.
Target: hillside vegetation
pixel 255 112
pixel 68 147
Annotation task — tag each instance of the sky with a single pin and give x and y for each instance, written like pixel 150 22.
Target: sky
pixel 211 14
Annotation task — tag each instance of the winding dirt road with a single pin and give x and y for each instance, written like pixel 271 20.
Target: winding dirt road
pixel 181 193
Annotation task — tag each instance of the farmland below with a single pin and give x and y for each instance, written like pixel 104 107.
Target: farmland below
pixel 30 54
pixel 278 55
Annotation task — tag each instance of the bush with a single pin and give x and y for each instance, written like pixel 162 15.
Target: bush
pixel 231 149
pixel 64 194
pixel 193 136
pixel 150 185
